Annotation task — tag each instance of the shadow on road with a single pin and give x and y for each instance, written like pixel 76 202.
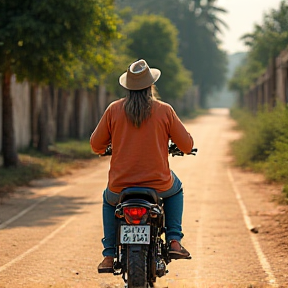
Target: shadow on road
pixel 43 205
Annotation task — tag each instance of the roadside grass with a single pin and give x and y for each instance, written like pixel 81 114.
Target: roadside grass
pixel 62 158
pixel 264 144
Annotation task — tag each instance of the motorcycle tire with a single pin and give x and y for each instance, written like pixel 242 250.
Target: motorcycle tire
pixel 137 266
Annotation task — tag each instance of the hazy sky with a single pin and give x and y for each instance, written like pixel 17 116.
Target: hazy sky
pixel 241 17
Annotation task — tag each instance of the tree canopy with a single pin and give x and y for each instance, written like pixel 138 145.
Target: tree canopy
pixel 42 40
pixel 265 42
pixel 37 38
pixel 154 38
pixel 199 26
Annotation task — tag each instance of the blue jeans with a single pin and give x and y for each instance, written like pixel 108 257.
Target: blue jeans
pixel 173 208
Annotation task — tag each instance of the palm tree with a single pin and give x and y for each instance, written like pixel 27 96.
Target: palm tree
pixel 199 26
pixel 206 12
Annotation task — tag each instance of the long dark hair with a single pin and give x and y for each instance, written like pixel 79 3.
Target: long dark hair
pixel 138 105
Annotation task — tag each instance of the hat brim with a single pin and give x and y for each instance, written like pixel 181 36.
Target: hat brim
pixel 155 73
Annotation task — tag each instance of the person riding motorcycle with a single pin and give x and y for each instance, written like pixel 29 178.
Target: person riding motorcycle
pixel 138 128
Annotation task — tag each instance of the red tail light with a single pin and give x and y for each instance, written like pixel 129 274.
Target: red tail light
pixel 134 215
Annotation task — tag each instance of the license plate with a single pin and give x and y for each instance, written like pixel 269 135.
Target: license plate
pixel 135 234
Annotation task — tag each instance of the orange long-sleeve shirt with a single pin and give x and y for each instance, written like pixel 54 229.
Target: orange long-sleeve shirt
pixel 140 155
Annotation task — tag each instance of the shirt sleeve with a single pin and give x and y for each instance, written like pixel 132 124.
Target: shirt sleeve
pixel 101 136
pixel 179 135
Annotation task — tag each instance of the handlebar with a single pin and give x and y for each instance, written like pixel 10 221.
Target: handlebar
pixel 175 151
pixel 108 151
pixel 172 149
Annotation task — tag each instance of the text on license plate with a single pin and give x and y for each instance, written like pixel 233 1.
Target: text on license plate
pixel 135 234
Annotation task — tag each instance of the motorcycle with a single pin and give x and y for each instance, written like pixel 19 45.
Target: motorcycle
pixel 141 251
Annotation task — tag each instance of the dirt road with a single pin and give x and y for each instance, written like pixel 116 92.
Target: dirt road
pixel 50 233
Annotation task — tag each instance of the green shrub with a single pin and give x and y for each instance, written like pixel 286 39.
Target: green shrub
pixel 261 133
pixel 276 166
pixel 264 144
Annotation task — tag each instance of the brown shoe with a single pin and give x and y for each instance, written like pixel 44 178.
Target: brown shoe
pixel 106 266
pixel 177 251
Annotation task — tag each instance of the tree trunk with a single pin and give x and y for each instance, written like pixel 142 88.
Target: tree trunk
pixel 9 150
pixel 43 143
pixel 202 97
pixel 94 110
pixel 34 116
pixel 98 110
pixel 77 114
pixel 52 112
pixel 61 106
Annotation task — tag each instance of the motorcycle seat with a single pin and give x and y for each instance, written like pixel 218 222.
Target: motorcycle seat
pixel 140 192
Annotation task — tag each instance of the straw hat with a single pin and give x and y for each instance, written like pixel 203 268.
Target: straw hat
pixel 139 76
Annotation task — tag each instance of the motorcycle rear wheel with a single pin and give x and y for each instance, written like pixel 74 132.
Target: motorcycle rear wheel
pixel 137 266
